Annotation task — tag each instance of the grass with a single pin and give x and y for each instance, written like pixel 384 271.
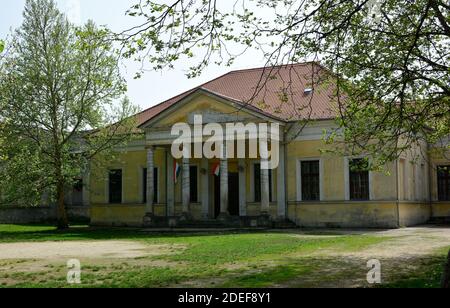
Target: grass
pixel 261 259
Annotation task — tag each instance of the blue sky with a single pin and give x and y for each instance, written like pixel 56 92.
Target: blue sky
pixel 153 87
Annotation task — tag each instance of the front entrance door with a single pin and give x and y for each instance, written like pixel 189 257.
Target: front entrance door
pixel 233 194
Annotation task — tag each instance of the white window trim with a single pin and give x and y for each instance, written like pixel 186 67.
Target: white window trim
pixel 347 178
pixel 252 182
pixel 299 177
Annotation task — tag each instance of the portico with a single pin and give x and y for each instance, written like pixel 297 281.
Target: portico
pixel 223 186
pixel 223 197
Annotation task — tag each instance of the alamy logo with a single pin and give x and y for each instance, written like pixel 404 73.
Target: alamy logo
pixel 374 275
pixel 74 271
pixel 374 7
pixel 229 141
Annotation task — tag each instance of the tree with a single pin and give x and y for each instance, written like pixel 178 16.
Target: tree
pixel 58 106
pixel 390 58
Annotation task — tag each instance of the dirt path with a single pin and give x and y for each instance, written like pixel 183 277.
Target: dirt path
pixel 408 243
pixel 80 250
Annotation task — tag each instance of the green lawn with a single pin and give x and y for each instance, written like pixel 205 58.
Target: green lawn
pixel 261 259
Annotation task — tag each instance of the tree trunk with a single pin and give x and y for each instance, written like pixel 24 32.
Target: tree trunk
pixel 446 276
pixel 63 222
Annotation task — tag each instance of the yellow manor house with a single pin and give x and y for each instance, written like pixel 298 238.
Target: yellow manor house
pixel 146 186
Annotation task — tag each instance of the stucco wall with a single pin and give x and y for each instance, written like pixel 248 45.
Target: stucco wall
pixel 441 210
pixel 132 164
pixel 20 215
pixel 413 213
pixel 344 215
pixel 371 214
pixel 117 215
pixel 383 184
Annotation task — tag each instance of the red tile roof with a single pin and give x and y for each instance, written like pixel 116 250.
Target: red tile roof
pixel 276 91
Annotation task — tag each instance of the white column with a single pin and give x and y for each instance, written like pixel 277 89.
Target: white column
pixel 281 184
pixel 205 188
pixel 150 181
pixel 242 188
pixel 265 188
pixel 186 186
pixel 224 187
pixel 170 185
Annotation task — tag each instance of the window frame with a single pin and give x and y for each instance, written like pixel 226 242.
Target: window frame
pixel 299 178
pixel 348 180
pixel 443 197
pixel 109 199
pixel 309 176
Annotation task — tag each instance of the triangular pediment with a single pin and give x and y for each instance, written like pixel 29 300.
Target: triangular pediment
pixel 212 107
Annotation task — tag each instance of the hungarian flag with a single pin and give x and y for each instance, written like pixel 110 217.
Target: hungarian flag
pixel 176 171
pixel 216 169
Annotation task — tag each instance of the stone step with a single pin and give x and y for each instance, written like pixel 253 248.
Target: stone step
pixel 208 224
pixel 287 224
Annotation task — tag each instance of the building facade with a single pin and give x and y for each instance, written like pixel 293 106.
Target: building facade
pixel 146 186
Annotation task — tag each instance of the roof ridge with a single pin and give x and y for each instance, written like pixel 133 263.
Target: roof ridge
pixel 223 75
pixel 274 66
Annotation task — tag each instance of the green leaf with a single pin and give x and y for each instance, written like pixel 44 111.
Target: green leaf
pixel 2 46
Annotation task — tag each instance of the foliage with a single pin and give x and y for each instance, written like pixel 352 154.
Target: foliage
pixel 58 102
pixel 390 58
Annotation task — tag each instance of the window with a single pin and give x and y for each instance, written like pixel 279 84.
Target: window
pixel 115 186
pixel 155 183
pixel 257 183
pixel 443 183
pixel 78 185
pixel 193 180
pixel 310 173
pixel 359 179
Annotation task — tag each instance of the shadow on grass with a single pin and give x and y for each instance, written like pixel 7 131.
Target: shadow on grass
pixel 343 272
pixel 21 233
pixel 307 272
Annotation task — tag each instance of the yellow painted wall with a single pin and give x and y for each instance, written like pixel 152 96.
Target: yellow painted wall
pixel 384 184
pixel 441 209
pixel 414 213
pixel 132 164
pixel 345 215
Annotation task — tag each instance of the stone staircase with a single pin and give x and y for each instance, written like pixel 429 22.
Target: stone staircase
pixel 235 223
pixel 208 224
